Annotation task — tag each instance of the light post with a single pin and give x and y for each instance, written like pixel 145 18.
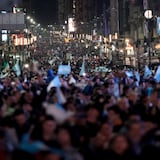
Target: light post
pixel 148 15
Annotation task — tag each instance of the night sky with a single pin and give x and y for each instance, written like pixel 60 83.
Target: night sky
pixel 45 11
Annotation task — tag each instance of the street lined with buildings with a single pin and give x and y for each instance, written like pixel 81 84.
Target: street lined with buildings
pixel 83 87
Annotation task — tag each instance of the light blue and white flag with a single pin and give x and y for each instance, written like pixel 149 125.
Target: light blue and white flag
pixel 82 72
pixel 51 61
pixel 157 75
pixel 60 96
pixel 54 83
pixel 69 63
pixel 72 80
pixel 137 75
pixel 129 73
pixel 4 75
pixel 31 147
pixel 17 68
pixel 147 72
pixel 59 114
pixel 6 67
pixel 5 71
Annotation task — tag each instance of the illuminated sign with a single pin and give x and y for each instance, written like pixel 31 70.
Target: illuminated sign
pixel 20 39
pixel 71 25
pixel 4 35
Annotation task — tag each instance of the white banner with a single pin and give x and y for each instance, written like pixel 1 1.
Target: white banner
pixel 64 69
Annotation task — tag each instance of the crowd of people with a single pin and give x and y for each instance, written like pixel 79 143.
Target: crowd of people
pixel 98 116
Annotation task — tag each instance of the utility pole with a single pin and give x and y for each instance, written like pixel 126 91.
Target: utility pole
pixel 148 29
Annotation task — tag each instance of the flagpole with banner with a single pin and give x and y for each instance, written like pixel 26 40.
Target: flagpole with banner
pixel 157 75
pixel 82 72
pixel 147 72
pixel 17 68
pixel 5 71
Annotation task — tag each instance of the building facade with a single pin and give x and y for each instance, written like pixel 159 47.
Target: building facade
pixel 7 5
pixel 88 14
pixel 114 16
pixel 65 10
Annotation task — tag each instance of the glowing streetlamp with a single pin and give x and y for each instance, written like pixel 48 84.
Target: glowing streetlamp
pixel 148 14
pixel 28 17
pixel 31 20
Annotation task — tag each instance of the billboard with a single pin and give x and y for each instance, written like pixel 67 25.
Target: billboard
pixel 71 25
pixel 12 21
pixel 4 35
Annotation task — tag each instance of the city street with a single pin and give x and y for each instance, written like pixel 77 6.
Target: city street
pixel 80 80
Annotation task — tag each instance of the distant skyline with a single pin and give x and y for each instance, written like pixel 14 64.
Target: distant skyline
pixel 8 4
pixel 45 12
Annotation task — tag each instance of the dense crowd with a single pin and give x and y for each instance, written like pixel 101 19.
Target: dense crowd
pixel 101 116
pixel 97 116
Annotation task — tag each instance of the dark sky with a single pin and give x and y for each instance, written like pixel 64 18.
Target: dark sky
pixel 45 11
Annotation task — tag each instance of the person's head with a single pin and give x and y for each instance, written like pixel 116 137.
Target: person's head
pixel 20 117
pixel 28 96
pixel 27 107
pixel 8 99
pixel 114 114
pixel 99 141
pixel 48 124
pixel 134 117
pixel 18 96
pixel 63 137
pixel 70 106
pixel 155 97
pixel 111 81
pixel 135 131
pixel 119 144
pixel 132 96
pixel 123 103
pixel 110 101
pixel 106 130
pixel 92 115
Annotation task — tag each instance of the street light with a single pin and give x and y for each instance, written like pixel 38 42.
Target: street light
pixel 28 17
pixel 148 15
